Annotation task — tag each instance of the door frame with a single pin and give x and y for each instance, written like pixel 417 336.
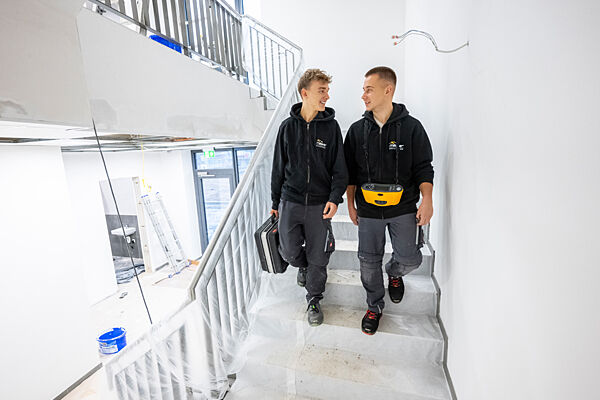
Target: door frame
pixel 233 173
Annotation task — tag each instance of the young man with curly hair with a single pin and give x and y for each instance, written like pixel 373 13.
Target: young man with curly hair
pixel 308 180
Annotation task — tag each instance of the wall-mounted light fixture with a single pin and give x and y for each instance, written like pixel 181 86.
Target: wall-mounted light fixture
pixel 428 36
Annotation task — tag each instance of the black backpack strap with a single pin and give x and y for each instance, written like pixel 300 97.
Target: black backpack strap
pixel 365 145
pixel 398 126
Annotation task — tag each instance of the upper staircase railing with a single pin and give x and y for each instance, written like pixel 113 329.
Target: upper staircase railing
pixel 212 32
pixel 192 353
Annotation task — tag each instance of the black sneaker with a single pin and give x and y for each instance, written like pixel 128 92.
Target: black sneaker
pixel 315 316
pixel 301 279
pixel 370 322
pixel 396 288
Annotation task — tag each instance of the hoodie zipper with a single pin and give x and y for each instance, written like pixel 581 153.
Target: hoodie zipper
pixel 307 160
pixel 381 169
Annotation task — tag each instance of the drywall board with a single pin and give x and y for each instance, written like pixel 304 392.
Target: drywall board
pixel 42 77
pixel 45 312
pixel 124 193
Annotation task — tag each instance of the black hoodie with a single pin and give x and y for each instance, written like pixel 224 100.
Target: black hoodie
pixel 308 162
pixel 414 159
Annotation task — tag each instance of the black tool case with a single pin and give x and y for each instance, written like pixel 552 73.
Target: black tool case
pixel 267 242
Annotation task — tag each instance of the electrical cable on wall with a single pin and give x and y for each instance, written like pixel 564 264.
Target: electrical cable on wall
pixel 121 221
pixel 428 36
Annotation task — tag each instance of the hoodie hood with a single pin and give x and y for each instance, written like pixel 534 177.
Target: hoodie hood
pixel 327 115
pixel 398 113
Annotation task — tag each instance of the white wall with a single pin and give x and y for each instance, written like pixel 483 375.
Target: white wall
pixel 345 38
pixel 170 173
pixel 42 72
pixel 139 86
pixel 515 135
pixel 47 339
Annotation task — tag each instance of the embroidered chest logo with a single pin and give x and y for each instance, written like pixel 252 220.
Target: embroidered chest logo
pixel 392 146
pixel 321 144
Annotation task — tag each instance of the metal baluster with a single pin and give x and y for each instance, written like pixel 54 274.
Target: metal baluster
pixel 156 16
pixel 259 63
pixel 216 31
pixel 226 44
pixel 222 36
pixel 164 373
pixel 266 62
pixel 203 29
pixel 152 374
pixel 144 17
pixel 143 388
pixel 231 295
pixel 165 15
pixel 130 383
pixel 183 21
pixel 230 41
pixel 192 20
pixel 243 234
pixel 238 276
pixel 212 325
pixel 121 5
pixel 235 42
pixel 240 48
pixel 251 54
pixel 120 381
pixel 287 74
pixel 134 11
pixel 273 68
pixel 210 32
pixel 173 10
pixel 223 302
pixel 280 79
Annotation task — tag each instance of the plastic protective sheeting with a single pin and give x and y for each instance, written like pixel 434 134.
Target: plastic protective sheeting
pixel 284 357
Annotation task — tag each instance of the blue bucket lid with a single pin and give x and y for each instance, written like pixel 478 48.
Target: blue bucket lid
pixel 112 334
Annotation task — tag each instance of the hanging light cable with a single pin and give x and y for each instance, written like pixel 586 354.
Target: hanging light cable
pixel 428 36
pixel 121 221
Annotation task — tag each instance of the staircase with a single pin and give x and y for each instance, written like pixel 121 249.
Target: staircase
pixel 242 333
pixel 288 359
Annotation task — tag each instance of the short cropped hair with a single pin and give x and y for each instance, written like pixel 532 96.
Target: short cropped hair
pixel 310 75
pixel 385 73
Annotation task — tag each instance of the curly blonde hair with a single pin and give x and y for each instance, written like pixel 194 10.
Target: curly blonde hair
pixel 312 74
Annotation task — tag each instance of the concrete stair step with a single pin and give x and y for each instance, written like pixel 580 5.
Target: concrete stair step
pixel 345 257
pixel 420 295
pixel 281 313
pixel 344 287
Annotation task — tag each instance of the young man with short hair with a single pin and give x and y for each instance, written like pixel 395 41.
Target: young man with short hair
pixel 308 180
pixel 388 147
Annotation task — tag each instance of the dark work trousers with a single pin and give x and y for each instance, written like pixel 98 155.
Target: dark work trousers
pixel 302 238
pixel 406 255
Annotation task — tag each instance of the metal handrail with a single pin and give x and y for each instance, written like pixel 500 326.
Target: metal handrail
pixel 272 32
pixel 271 59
